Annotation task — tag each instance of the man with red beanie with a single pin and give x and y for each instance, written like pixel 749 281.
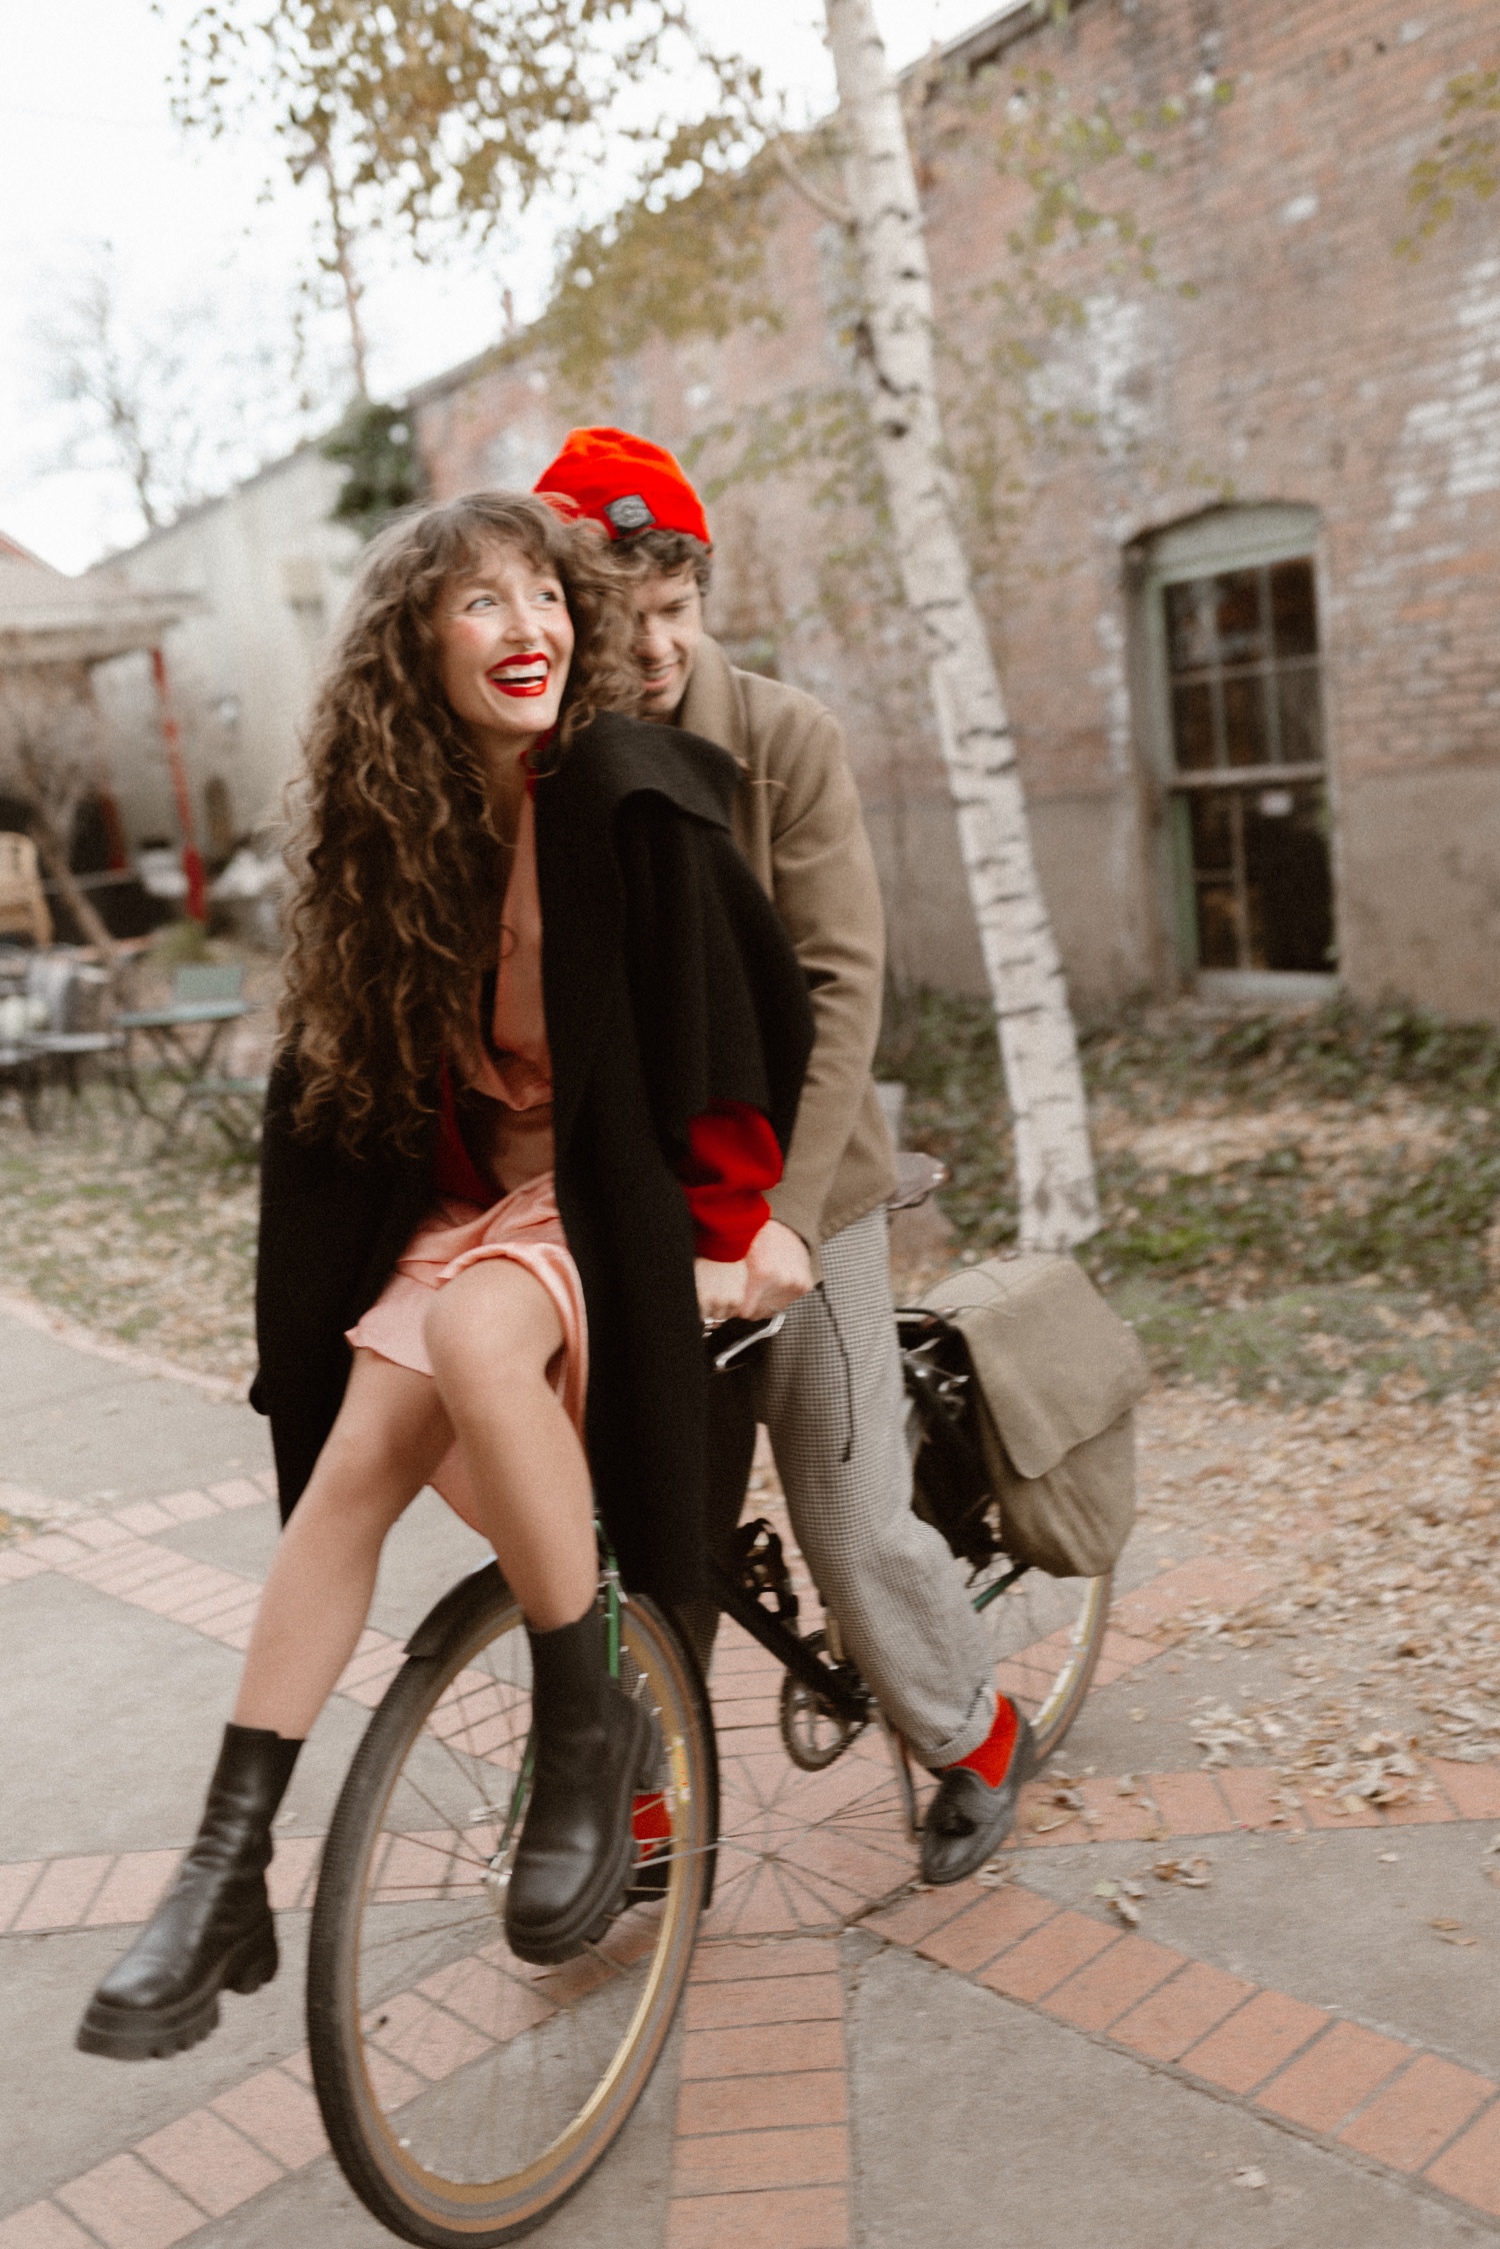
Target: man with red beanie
pixel 828 1387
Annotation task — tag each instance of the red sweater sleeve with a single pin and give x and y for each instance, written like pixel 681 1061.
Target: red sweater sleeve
pixel 733 1158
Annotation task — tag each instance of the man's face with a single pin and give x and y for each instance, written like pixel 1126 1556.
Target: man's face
pixel 668 628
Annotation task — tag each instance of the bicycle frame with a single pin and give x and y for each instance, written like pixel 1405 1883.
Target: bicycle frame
pixel 775 1634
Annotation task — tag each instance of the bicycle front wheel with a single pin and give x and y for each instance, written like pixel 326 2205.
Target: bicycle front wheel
pixel 466 2093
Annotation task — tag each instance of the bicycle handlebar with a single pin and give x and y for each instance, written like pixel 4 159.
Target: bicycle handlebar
pixel 729 1340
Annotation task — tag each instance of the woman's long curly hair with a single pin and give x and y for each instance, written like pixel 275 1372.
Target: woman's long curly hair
pixel 397 862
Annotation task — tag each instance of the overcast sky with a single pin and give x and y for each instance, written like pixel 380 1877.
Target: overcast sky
pixel 89 154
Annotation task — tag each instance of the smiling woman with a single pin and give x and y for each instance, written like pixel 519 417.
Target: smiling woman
pixel 412 792
pixel 544 1043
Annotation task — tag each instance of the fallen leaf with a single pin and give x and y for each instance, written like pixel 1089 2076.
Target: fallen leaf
pixel 1443 1923
pixel 1041 1825
pixel 1188 1874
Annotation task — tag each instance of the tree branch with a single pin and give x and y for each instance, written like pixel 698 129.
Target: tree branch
pixel 54 801
pixel 831 208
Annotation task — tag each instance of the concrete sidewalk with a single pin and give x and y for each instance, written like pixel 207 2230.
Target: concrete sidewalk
pixel 1306 2049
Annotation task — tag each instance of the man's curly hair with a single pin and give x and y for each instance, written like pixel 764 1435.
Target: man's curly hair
pixel 397 860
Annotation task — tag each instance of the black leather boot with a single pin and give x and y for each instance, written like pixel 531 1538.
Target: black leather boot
pixel 214 1928
pixel 594 1748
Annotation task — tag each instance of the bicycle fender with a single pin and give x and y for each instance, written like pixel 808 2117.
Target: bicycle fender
pixel 458 1608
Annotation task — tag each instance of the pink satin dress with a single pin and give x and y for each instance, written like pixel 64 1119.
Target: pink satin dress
pixel 523 1225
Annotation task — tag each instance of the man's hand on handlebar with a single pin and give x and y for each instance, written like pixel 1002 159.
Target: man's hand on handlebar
pixel 779 1270
pixel 775 1273
pixel 722 1290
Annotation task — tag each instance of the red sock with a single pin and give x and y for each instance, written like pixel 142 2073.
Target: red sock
pixel 991 1760
pixel 651 1821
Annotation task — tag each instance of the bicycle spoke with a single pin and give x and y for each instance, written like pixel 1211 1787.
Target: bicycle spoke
pixel 439 1814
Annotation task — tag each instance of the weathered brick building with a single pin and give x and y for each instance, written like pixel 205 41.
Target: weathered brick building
pixel 1238 547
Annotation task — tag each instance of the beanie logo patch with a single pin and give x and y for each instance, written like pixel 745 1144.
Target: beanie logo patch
pixel 629 513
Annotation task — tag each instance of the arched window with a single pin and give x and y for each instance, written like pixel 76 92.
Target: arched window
pixel 1230 616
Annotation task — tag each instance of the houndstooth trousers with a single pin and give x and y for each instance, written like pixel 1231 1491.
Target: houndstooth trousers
pixel 828 1389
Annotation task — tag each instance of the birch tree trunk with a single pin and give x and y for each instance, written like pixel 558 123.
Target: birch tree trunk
pixel 1054 1165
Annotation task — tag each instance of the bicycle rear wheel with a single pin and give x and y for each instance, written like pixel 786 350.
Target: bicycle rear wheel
pixel 1047 1634
pixel 466 2093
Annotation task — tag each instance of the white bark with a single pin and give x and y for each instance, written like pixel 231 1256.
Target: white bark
pixel 1054 1166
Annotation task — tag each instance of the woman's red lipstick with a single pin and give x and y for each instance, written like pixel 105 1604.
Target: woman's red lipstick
pixel 523 680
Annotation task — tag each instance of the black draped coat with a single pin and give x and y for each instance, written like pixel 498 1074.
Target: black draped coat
pixel 668 984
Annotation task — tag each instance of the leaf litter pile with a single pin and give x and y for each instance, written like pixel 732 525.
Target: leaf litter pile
pixel 154 1251
pixel 1377 1522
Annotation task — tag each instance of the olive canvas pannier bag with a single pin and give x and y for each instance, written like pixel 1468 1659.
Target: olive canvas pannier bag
pixel 1056 1374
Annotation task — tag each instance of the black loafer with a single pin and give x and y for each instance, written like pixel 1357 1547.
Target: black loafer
pixel 967 1821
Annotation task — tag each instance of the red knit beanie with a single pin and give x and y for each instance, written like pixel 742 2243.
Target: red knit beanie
pixel 625 483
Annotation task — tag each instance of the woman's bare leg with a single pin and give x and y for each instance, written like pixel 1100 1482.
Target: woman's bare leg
pixel 390 1434
pixel 490 1335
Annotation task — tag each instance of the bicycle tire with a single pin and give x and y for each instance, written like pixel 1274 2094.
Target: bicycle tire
pixel 1052 1717
pixel 465 2094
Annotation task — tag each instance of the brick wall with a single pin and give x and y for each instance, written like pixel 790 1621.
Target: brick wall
pixel 1312 366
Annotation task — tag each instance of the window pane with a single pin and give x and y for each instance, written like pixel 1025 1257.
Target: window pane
pixel 1193 727
pixel 1218 933
pixel 1301 717
pixel 1237 616
pixel 1287 882
pixel 1190 625
pixel 1245 733
pixel 1294 610
pixel 1213 831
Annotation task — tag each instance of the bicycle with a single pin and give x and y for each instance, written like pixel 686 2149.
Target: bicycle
pixel 467 2094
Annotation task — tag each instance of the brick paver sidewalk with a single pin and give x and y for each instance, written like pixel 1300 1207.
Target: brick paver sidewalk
pixel 845 2031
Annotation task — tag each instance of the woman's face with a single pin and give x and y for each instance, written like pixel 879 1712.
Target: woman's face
pixel 505 641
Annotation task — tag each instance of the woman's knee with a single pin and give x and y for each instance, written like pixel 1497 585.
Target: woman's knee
pixel 491 1326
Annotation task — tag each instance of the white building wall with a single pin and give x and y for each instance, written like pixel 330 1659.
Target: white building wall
pixel 270 574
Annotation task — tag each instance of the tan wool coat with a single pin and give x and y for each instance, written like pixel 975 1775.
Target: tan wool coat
pixel 797 821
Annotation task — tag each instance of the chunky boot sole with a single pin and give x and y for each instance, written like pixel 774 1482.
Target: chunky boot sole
pixel 141 2034
pixel 548 1944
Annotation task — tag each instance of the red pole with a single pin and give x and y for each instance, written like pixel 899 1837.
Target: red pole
pixel 192 857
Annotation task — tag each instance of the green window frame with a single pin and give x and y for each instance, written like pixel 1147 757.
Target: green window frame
pixel 1230 611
